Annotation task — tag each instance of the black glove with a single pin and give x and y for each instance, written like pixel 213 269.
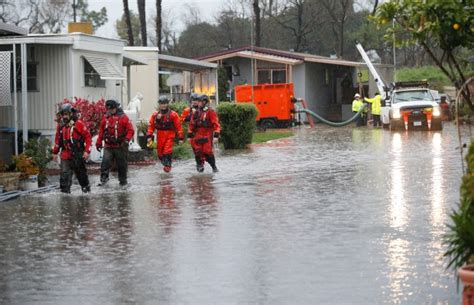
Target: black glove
pixel 125 144
pixel 190 135
pixel 216 135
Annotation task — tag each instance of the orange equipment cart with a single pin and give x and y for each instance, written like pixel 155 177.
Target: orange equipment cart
pixel 273 102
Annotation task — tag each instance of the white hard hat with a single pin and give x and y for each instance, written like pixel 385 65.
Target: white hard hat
pixel 357 95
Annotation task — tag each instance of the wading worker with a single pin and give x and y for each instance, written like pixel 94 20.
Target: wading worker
pixel 203 128
pixel 189 111
pixel 115 131
pixel 375 109
pixel 73 140
pixel 167 124
pixel 357 104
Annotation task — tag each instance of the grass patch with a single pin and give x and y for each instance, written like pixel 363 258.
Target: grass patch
pixel 260 137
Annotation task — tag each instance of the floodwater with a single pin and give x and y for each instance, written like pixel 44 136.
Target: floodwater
pixel 329 216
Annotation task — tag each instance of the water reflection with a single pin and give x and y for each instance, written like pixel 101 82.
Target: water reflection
pixel 436 192
pixel 203 194
pixel 399 271
pixel 168 212
pixel 76 225
pixel 398 217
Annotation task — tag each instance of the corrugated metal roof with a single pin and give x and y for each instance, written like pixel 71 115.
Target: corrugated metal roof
pixel 105 68
pixel 260 56
pixel 283 56
pixel 11 30
pixel 184 64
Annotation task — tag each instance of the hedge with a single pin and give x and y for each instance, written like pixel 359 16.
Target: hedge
pixel 237 124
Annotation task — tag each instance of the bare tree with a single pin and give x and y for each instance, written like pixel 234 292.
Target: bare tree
pixel 339 11
pixel 298 17
pixel 169 36
pixel 128 22
pixel 191 14
pixel 142 15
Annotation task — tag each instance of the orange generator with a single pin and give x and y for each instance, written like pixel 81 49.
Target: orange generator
pixel 273 102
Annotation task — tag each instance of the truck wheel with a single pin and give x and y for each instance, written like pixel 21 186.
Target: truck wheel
pixel 394 126
pixel 268 123
pixel 437 125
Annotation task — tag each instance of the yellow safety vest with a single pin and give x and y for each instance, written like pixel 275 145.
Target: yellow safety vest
pixel 356 104
pixel 376 104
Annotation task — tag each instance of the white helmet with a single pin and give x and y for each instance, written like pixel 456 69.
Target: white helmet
pixel 357 95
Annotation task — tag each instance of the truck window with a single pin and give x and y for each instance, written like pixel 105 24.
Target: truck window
pixel 413 95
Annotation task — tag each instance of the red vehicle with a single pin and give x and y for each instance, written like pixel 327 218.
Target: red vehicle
pixel 273 102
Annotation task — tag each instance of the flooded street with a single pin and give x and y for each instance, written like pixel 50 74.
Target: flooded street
pixel 329 216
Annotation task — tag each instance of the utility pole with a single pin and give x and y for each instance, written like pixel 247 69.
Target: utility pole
pixel 252 65
pixel 394 57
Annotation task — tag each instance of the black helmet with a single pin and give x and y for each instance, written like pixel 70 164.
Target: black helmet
pixel 163 100
pixel 67 108
pixel 111 104
pixel 194 97
pixel 204 98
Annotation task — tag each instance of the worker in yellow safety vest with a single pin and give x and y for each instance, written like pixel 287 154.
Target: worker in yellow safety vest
pixel 375 109
pixel 356 105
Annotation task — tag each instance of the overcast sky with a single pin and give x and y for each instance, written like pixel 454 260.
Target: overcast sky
pixel 208 8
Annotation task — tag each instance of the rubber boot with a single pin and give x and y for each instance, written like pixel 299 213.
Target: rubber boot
pixel 86 189
pixel 199 163
pixel 212 162
pixel 167 163
pixel 103 181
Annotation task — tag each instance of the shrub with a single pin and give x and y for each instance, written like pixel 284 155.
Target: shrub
pixel 178 107
pixel 183 151
pixel 433 75
pixel 237 124
pixel 91 113
pixel 460 237
pixel 40 152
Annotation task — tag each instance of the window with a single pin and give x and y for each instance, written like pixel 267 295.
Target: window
pixel 31 77
pixel 31 71
pixel 271 76
pixel 91 77
pixel 264 77
pixel 278 76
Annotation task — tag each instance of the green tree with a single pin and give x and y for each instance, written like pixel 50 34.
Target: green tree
pixel 434 24
pixel 98 18
pixel 122 29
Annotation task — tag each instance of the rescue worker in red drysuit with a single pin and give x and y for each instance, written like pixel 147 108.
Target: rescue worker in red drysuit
pixel 116 131
pixel 203 128
pixel 167 124
pixel 189 111
pixel 73 140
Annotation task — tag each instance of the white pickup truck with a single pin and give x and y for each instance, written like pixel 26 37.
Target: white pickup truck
pixel 411 105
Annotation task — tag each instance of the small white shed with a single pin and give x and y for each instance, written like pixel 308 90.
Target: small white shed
pixel 56 67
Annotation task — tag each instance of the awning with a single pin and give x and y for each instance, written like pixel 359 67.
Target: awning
pixel 130 59
pixel 104 68
pixel 175 63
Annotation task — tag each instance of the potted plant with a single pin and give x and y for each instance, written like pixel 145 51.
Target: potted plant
pixel 9 180
pixel 29 171
pixel 40 153
pixel 460 237
pixel 142 127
